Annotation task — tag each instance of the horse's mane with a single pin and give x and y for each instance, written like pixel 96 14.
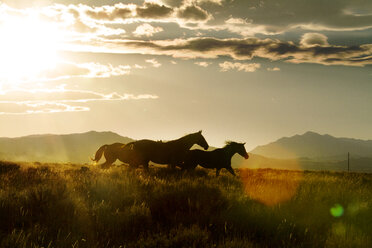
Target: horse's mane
pixel 187 135
pixel 231 143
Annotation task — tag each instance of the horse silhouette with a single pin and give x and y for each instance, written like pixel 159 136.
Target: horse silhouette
pixel 111 153
pixel 141 152
pixel 216 159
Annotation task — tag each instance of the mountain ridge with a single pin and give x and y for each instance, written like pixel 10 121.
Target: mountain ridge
pixel 74 148
pixel 314 145
pixel 79 147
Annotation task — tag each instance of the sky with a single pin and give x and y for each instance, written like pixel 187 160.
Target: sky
pixel 244 70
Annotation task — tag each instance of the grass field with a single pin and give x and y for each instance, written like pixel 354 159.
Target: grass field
pixel 68 206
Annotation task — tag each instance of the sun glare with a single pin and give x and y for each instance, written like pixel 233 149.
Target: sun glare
pixel 28 46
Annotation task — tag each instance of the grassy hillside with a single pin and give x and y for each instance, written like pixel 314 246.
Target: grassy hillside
pixel 69 206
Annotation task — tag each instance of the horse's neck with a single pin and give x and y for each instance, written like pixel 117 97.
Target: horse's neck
pixel 185 142
pixel 229 152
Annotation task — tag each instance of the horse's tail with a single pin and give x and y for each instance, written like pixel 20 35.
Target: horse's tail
pixel 99 153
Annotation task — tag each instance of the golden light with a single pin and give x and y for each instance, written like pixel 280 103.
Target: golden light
pixel 28 46
pixel 272 186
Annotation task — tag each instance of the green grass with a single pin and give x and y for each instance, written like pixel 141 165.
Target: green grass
pixel 66 206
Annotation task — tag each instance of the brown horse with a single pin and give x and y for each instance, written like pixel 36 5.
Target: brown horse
pixel 218 159
pixel 171 153
pixel 141 152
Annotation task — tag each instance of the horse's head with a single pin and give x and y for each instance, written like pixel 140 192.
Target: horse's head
pixel 238 148
pixel 200 140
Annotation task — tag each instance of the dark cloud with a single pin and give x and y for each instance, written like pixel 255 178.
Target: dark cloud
pixel 193 12
pixel 246 49
pixel 116 13
pixel 153 10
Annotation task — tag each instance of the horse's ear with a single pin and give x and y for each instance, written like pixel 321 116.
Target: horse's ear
pixel 200 131
pixel 244 143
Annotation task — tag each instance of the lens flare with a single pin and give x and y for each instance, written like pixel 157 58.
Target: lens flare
pixel 337 210
pixel 270 187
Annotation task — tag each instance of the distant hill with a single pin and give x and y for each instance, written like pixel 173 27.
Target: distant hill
pixel 311 151
pixel 315 146
pixel 74 148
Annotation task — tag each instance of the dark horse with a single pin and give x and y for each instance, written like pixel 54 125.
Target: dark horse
pixel 112 153
pixel 218 159
pixel 141 152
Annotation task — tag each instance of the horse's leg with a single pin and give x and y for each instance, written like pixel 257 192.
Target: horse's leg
pixel 107 164
pixel 189 166
pixel 231 170
pixel 171 166
pixel 109 161
pixel 146 165
pixel 218 171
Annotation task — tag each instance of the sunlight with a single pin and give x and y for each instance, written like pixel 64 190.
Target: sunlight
pixel 28 46
pixel 271 187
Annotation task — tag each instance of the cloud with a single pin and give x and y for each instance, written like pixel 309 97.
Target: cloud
pixel 63 95
pixel 153 10
pixel 153 62
pixel 247 67
pixel 218 2
pixel 65 70
pixel 147 30
pixel 236 21
pixel 56 100
pixel 136 66
pixel 110 13
pixel 273 69
pixel 79 21
pixel 243 17
pixel 193 13
pixel 203 63
pixel 99 29
pixel 39 108
pixel 178 3
pixel 249 48
pixel 314 39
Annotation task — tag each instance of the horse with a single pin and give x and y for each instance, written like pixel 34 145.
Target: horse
pixel 141 152
pixel 111 153
pixel 216 159
pixel 171 153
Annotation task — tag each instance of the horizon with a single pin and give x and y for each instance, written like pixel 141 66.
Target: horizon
pixel 212 145
pixel 248 71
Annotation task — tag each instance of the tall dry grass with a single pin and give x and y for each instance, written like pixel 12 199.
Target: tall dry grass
pixel 69 206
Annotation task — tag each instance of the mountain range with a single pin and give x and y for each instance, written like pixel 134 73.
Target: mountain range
pixel 309 151
pixel 315 146
pixel 312 151
pixel 74 148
